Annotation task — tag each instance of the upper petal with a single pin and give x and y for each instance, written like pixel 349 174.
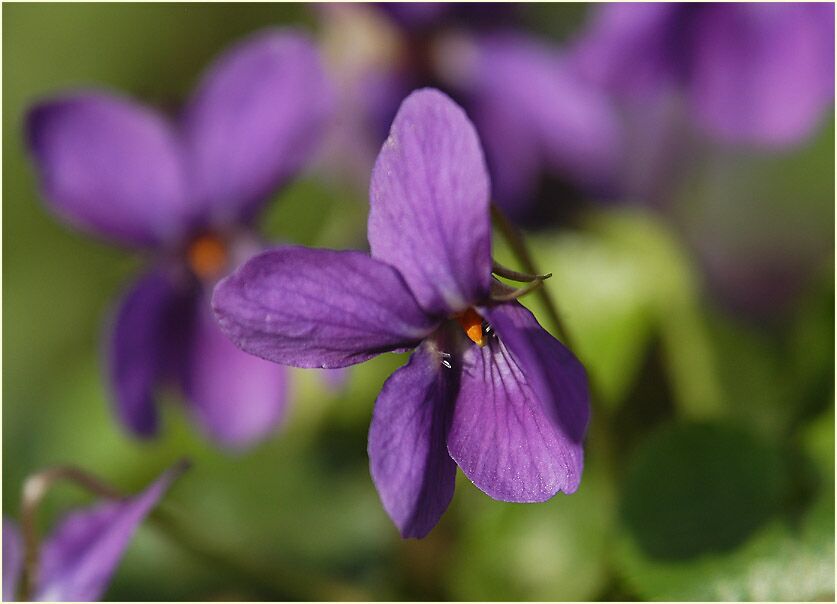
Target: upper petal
pixel 763 73
pixel 429 212
pixel 571 128
pixel 147 338
pixel 410 465
pixel 80 556
pixel 254 121
pixel 318 308
pixel 12 559
pixel 109 166
pixel 521 413
pixel 237 398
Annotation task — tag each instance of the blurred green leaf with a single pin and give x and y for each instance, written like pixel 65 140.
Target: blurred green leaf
pixel 704 489
pixel 557 550
pixel 621 279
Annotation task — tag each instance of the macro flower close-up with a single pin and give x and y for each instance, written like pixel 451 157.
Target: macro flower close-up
pixel 487 389
pixel 437 301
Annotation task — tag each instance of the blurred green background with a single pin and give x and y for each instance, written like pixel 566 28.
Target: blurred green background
pixel 710 470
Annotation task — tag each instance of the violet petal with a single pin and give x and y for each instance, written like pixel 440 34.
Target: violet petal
pixel 763 73
pixel 110 167
pixel 528 91
pixel 255 119
pixel 80 556
pixel 149 333
pixel 236 398
pixel 410 465
pixel 12 559
pixel 318 308
pixel 521 413
pixel 429 213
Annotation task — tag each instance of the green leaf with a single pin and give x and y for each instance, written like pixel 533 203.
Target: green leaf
pixel 555 550
pixel 620 280
pixel 701 507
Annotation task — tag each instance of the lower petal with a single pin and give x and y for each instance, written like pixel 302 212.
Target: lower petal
pixel 237 398
pixel 80 556
pixel 408 460
pixel 521 412
pixel 12 559
pixel 146 336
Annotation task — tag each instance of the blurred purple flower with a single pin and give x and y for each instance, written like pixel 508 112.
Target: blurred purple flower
pixel 758 74
pixel 755 73
pixel 533 114
pixel 188 192
pixel 487 388
pixel 78 559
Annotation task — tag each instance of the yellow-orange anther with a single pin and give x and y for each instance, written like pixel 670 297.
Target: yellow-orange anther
pixel 207 256
pixel 471 323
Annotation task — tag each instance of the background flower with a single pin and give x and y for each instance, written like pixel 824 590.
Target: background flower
pixel 189 192
pixel 77 559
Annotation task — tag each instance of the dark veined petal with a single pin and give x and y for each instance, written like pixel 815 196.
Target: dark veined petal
pixel 526 94
pixel 12 559
pixel 237 398
pixel 408 459
pixel 256 118
pixel 79 558
pixel 521 413
pixel 429 213
pixel 110 167
pixel 147 337
pixel 763 73
pixel 318 308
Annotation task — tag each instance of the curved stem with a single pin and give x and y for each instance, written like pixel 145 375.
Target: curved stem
pixel 275 583
pixel 34 490
pixel 518 247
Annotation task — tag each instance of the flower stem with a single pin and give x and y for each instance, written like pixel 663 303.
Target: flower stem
pixel 518 247
pixel 34 490
pixel 276 583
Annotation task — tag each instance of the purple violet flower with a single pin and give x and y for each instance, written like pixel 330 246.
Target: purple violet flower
pixel 533 114
pixel 187 193
pixel 755 73
pixel 487 388
pixel 78 559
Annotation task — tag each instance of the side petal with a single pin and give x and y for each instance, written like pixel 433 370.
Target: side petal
pixel 147 337
pixel 763 74
pixel 79 558
pixel 12 559
pixel 521 413
pixel 318 308
pixel 237 398
pixel 570 127
pixel 410 465
pixel 110 167
pixel 429 213
pixel 256 118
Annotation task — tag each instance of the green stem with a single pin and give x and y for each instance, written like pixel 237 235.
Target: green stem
pixel 518 247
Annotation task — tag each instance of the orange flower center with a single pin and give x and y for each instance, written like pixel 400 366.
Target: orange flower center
pixel 471 323
pixel 207 256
